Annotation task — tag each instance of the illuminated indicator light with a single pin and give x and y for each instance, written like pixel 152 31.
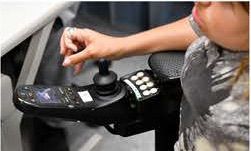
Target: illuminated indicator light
pixel 142 87
pixel 145 79
pixel 149 84
pixel 139 82
pixel 153 90
pixel 146 92
pixel 133 78
pixel 140 74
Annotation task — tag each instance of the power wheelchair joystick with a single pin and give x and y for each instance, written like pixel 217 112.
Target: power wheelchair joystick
pixel 138 102
pixel 105 81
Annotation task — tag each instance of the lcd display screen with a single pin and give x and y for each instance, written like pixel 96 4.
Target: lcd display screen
pixel 47 96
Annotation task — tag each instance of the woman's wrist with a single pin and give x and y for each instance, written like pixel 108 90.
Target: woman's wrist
pixel 123 47
pixel 133 45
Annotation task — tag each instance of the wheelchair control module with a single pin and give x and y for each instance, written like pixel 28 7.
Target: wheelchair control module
pixel 131 95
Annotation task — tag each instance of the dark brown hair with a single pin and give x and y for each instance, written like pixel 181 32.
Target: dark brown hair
pixel 243 69
pixel 245 5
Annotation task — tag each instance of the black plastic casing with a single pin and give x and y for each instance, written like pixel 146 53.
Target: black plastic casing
pixel 102 111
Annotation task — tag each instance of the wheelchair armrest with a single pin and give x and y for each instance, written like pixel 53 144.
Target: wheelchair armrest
pixel 167 65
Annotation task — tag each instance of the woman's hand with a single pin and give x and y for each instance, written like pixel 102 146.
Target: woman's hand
pixel 93 45
pixel 88 44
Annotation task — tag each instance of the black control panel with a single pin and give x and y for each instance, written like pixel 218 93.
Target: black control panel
pixel 73 103
pixel 104 102
pixel 132 93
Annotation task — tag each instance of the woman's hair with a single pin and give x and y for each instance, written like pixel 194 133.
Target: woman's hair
pixel 243 76
pixel 244 65
pixel 245 6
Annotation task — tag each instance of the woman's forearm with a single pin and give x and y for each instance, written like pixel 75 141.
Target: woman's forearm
pixel 174 36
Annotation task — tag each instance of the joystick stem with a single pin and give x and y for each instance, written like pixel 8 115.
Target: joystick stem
pixel 103 66
pixel 105 81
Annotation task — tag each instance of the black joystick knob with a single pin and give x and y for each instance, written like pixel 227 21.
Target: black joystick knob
pixel 105 81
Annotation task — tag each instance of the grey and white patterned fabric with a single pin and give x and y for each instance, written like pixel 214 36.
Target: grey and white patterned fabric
pixel 213 116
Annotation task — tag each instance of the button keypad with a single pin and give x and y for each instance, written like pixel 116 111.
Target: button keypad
pixel 70 97
pixel 144 84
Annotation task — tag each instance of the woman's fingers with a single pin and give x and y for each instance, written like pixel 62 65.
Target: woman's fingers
pixel 70 45
pixel 66 45
pixel 62 45
pixel 78 67
pixel 73 40
pixel 77 58
pixel 68 39
pixel 80 35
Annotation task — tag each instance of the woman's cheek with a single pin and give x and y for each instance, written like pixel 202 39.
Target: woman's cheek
pixel 216 29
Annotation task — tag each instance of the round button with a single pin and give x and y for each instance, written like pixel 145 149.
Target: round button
pixel 26 88
pixel 149 84
pixel 30 94
pixel 70 106
pixel 146 92
pixel 139 82
pixel 145 79
pixel 153 90
pixel 133 78
pixel 23 94
pixel 142 87
pixel 140 74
